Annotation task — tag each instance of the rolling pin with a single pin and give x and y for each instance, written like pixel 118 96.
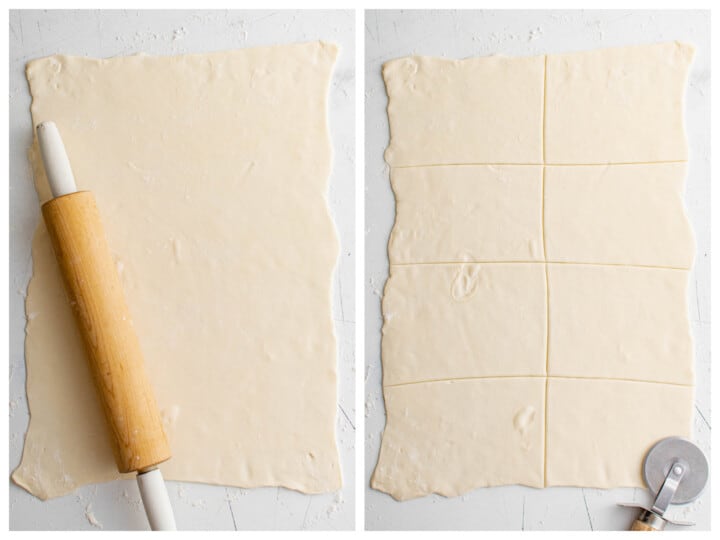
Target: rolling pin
pixel 101 313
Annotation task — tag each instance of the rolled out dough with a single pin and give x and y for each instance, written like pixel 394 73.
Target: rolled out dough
pixel 619 322
pixel 210 173
pixel 452 436
pixel 453 213
pixel 629 214
pixel 538 268
pixel 587 446
pixel 491 318
pixel 617 105
pixel 448 118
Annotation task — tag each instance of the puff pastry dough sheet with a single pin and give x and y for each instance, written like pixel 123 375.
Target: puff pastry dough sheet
pixel 598 430
pixel 538 265
pixel 456 213
pixel 617 105
pixel 619 322
pixel 439 114
pixel 210 172
pixel 464 434
pixel 433 316
pixel 630 214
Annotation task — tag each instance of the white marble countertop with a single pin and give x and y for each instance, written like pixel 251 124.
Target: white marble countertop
pixel 392 34
pixel 117 505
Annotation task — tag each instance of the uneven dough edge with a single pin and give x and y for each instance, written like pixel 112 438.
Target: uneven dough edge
pixel 26 477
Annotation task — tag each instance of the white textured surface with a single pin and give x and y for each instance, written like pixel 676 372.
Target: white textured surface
pixel 117 505
pixel 392 34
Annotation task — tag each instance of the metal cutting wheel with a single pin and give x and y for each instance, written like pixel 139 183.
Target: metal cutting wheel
pixel 676 471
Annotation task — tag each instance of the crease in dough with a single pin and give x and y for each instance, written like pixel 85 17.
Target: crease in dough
pixel 210 172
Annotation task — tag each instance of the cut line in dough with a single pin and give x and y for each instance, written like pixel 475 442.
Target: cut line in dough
pixel 570 377
pixel 548 164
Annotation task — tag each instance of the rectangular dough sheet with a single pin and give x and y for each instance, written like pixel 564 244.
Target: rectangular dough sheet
pixel 455 213
pixel 446 117
pixel 619 322
pixel 546 272
pixel 598 430
pixel 617 105
pixel 629 214
pixel 465 434
pixel 506 301
pixel 210 172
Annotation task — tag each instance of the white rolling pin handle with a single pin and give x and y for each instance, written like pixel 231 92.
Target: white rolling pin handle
pixel 57 165
pixel 156 500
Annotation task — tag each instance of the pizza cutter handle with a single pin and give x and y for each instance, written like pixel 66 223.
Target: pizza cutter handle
pixel 640 526
pixel 648 521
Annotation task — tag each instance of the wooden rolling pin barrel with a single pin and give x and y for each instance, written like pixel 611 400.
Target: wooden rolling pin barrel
pixel 113 350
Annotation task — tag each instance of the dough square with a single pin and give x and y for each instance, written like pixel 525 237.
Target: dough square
pixel 467 213
pixel 225 253
pixel 477 110
pixel 463 320
pixel 598 431
pixel 617 105
pixel 619 322
pixel 618 214
pixel 454 436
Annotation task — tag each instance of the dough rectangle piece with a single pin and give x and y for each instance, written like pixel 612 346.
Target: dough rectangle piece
pixel 452 437
pixel 617 105
pixel 473 213
pixel 618 214
pixel 477 110
pixel 210 173
pixel 599 431
pixel 463 320
pixel 619 322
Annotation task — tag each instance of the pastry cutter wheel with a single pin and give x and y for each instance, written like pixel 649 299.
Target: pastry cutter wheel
pixel 676 471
